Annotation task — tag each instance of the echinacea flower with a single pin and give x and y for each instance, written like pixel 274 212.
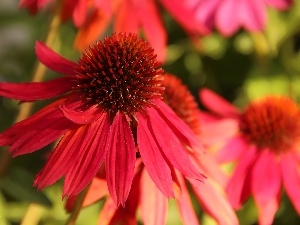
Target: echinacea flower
pixel 110 104
pixel 230 15
pixel 144 195
pixel 265 146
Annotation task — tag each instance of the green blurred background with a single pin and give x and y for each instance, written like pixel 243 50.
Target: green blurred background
pixel 241 68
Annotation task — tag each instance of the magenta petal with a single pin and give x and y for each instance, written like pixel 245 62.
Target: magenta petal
pixel 232 150
pixel 185 206
pixel 120 159
pixel 178 127
pixel 217 104
pixel 252 15
pixel 267 211
pixel 152 157
pixel 61 159
pixel 227 22
pixel 215 203
pixel 53 60
pixel 153 202
pixel 266 177
pixel 92 154
pixel 171 146
pixel 36 90
pixel 238 187
pixel 279 4
pixel 76 111
pixel 291 179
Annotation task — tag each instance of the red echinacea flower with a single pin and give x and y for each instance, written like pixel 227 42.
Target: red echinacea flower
pixel 265 146
pixel 144 195
pixel 110 106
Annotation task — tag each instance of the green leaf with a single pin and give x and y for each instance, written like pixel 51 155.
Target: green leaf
pixel 18 184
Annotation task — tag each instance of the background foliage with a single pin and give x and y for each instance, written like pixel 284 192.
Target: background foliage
pixel 241 68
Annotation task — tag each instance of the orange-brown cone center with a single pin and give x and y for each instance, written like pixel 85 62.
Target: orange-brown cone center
pixel 272 123
pixel 120 74
pixel 179 98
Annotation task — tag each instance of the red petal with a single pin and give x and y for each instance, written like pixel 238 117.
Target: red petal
pixel 78 112
pixel 217 104
pixel 37 131
pixel 232 150
pixel 153 202
pixel 53 60
pixel 291 179
pixel 185 206
pixel 120 159
pixel 178 127
pixel 152 157
pixel 36 90
pixel 91 154
pixel 97 191
pixel 215 203
pixel 266 177
pixel 238 187
pixel 153 27
pixel 31 5
pixel 61 159
pixel 79 13
pixel 171 146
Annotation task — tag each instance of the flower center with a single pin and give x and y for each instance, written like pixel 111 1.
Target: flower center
pixel 120 74
pixel 179 98
pixel 272 123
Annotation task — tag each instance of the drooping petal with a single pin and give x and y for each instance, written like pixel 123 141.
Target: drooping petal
pixel 267 211
pixel 62 158
pixel 153 27
pixel 78 112
pixel 207 164
pixel 178 127
pixel 266 177
pixel 31 5
pixel 185 206
pixel 217 104
pixel 226 24
pixel 120 159
pixel 89 33
pixel 153 202
pixel 232 150
pixel 205 12
pixel 238 187
pixel 79 13
pixel 279 4
pixel 215 203
pixel 252 15
pixel 218 131
pixel 171 146
pixel 153 159
pixel 36 90
pixel 112 215
pixel 97 191
pixel 24 139
pixel 291 179
pixel 54 61
pixel 126 19
pixel 92 154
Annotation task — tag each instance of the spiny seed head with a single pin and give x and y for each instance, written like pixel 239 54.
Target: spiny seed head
pixel 180 99
pixel 272 123
pixel 120 73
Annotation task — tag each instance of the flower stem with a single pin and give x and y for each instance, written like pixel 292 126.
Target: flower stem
pixel 77 207
pixel 33 214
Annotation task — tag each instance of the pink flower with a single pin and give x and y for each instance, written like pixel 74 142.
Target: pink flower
pixel 145 196
pixel 265 147
pixel 228 16
pixel 110 105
